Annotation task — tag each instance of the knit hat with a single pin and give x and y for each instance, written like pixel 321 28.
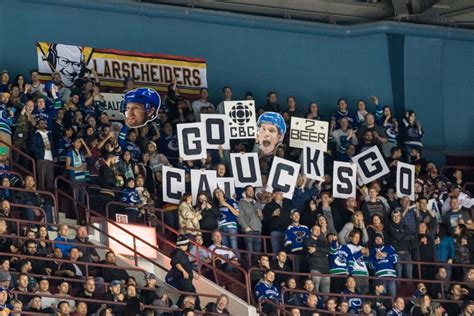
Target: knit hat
pixel 182 240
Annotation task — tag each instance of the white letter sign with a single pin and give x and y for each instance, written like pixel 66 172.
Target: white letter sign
pixel 227 185
pixel 246 169
pixel 371 164
pixel 217 130
pixel 405 184
pixel 344 180
pixel 313 162
pixel 173 184
pixel 190 144
pixel 203 181
pixel 309 131
pixel 283 175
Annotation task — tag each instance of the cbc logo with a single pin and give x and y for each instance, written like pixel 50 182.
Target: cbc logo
pixel 240 114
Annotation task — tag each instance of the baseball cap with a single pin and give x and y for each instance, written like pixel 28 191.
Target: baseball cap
pixel 182 241
pixel 4 71
pixel 5 276
pixel 149 276
pixel 295 211
pixel 115 282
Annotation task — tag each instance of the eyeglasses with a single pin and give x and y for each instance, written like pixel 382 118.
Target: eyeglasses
pixel 64 62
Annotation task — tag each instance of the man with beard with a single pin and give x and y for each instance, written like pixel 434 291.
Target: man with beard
pixel 108 181
pixel 140 106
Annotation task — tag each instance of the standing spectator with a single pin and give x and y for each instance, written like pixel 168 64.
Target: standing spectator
pixel 361 113
pixel 401 238
pixel 229 211
pixel 340 263
pixel 272 103
pixel 276 218
pixel 408 215
pixel 202 102
pixel 44 151
pixel 313 113
pixel 342 112
pixel 210 215
pixel 188 217
pixel 373 206
pixel 445 249
pixel 24 129
pixel 382 260
pixel 181 268
pixel 356 223
pixel 412 132
pixel 227 93
pixel 295 236
pixel 344 136
pixel 5 119
pixel 455 216
pixel 76 166
pixel 360 255
pixel 250 219
pixel 317 250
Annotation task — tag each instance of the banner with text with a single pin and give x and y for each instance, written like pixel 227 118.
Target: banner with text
pixel 113 66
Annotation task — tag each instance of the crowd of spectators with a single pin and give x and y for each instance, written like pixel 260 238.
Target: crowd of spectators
pixel 68 133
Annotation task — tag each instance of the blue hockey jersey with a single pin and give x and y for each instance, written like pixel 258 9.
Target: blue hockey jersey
pixel 341 260
pixel 355 303
pixel 384 267
pixel 295 237
pixel 267 291
pixel 227 218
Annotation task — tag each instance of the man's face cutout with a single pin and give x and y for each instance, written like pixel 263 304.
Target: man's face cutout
pixel 268 138
pixel 136 114
pixel 69 63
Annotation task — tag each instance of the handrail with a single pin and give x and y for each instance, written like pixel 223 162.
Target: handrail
pixel 403 280
pixel 11 172
pixel 53 198
pixel 18 205
pixel 17 165
pixel 107 207
pixel 172 230
pixel 72 197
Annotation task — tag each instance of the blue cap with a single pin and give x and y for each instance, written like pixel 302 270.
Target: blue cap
pixel 273 118
pixel 115 282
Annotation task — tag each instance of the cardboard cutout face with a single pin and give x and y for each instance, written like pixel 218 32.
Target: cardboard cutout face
pixel 271 130
pixel 68 61
pixel 140 106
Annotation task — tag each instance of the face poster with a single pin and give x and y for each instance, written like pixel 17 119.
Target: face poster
pixel 140 107
pixel 271 129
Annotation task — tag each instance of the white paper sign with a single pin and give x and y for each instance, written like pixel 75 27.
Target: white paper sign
pixel 174 185
pixel 113 101
pixel 344 180
pixel 304 131
pixel 217 130
pixel 371 165
pixel 283 175
pixel 190 141
pixel 227 185
pixel 405 184
pixel 313 162
pixel 242 119
pixel 246 169
pixel 203 181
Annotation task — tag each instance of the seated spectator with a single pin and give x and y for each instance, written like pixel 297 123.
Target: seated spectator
pixel 311 303
pixel 468 308
pixel 89 254
pixel 17 307
pixel 81 309
pixel 22 287
pixel 5 212
pixel 35 305
pixel 379 305
pixel 263 264
pixel 266 290
pixel 220 306
pixel 366 310
pixel 132 301
pixel 43 246
pixel 218 251
pixel 64 309
pixel 63 293
pixel 130 196
pixel 290 297
pixel 110 273
pixel 115 294
pixel 398 308
pixel 73 270
pixel 457 293
pixel 355 303
pixel 331 305
pixel 343 307
pixel 281 263
pixel 43 289
pixel 162 300
pixel 64 239
pixel 37 266
pixel 89 292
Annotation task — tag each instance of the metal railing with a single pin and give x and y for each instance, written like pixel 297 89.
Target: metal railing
pixel 18 166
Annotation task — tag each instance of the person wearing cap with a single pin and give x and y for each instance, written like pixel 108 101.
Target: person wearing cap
pixel 295 236
pixel 148 295
pixel 181 268
pixel 382 259
pixel 115 295
pixel 271 129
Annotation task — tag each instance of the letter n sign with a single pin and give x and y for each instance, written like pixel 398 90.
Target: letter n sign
pixel 405 180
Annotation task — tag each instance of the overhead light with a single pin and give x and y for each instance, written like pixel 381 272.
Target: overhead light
pixel 442 4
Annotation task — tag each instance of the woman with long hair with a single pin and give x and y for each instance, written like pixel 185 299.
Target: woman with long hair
pixel 126 167
pixel 188 216
pixel 357 223
pixel 376 227
pixel 462 250
pixel 313 111
pixel 422 307
pixel 210 216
